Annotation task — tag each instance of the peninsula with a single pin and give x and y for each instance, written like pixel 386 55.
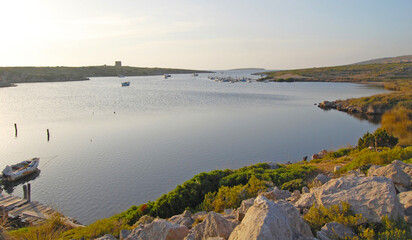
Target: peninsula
pixel 12 75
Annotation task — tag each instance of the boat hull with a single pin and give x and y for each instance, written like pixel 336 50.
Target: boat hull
pixel 19 174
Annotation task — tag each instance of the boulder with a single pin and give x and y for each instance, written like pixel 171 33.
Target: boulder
pixel 394 171
pixel 372 197
pixel 106 237
pixel 124 234
pixel 336 168
pixel 184 219
pixel 305 190
pixel 295 196
pixel 269 220
pixel 241 211
pixel 277 194
pixel 320 180
pixel 214 225
pixel 405 198
pixel 334 230
pixel 159 229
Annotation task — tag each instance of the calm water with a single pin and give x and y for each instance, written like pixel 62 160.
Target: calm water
pixel 112 147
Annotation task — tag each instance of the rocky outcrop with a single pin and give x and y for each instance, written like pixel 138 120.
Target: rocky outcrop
pixel 184 219
pixel 269 220
pixel 334 230
pixel 241 211
pixel 305 190
pixel 372 197
pixel 214 225
pixel 277 194
pixel 405 198
pixel 159 229
pixel 394 171
pixel 320 180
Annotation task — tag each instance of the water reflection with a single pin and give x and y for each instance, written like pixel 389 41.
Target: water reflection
pixel 9 187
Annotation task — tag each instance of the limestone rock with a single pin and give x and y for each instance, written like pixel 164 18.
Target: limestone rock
pixel 336 168
pixel 373 197
pixel 106 237
pixel 159 229
pixel 214 225
pixel 394 171
pixel 320 180
pixel 124 234
pixel 277 194
pixel 184 219
pixel 305 190
pixel 334 230
pixel 241 211
pixel 269 220
pixel 405 199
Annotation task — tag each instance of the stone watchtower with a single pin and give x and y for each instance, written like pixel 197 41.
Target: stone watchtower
pixel 118 63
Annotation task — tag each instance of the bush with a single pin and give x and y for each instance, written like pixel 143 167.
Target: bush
pixel 380 138
pixel 317 217
pixel 296 184
pixel 385 156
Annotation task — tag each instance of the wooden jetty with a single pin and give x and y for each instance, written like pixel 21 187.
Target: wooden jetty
pixel 29 212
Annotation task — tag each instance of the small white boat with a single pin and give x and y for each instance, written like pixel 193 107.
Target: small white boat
pixel 125 84
pixel 166 76
pixel 120 76
pixel 195 74
pixel 20 170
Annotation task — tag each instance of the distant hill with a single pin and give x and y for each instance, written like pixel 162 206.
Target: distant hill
pixel 400 59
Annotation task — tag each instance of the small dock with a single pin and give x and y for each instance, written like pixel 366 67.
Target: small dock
pixel 26 211
pixel 29 212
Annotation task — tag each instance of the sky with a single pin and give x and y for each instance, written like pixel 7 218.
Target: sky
pixel 203 34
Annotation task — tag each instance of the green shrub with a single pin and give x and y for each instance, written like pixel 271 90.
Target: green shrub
pixel 380 138
pixel 382 157
pixel 296 184
pixel 317 217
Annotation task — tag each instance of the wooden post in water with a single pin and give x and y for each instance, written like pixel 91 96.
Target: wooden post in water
pixel 24 192
pixel 15 129
pixel 48 135
pixel 29 192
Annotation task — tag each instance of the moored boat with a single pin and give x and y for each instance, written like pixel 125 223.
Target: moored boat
pixel 125 84
pixel 165 76
pixel 20 170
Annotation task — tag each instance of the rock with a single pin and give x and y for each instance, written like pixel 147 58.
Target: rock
pixel 394 171
pixel 295 196
pixel 269 220
pixel 215 238
pixel 334 230
pixel 241 211
pixel 405 198
pixel 356 173
pixel 305 190
pixel 373 197
pixel 336 168
pixel 277 194
pixel 159 229
pixel 320 180
pixel 124 234
pixel 228 211
pixel 106 237
pixel 214 225
pixel 184 219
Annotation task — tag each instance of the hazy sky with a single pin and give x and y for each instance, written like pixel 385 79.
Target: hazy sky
pixel 208 34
